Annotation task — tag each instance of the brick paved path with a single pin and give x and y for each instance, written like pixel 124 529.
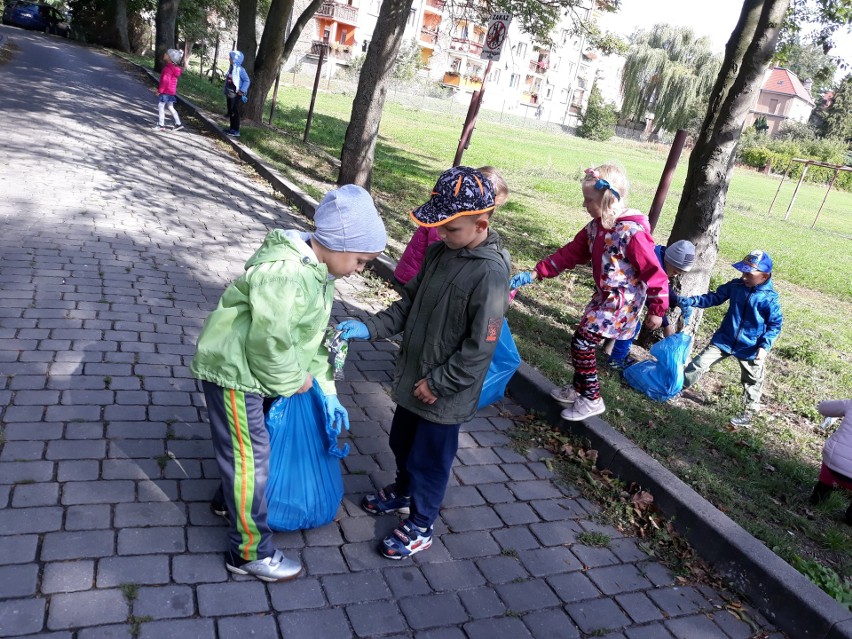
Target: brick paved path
pixel 116 243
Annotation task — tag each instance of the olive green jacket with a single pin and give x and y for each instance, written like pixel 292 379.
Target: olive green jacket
pixel 450 315
pixel 266 334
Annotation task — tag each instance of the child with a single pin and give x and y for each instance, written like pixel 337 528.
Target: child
pixel 450 315
pixel 619 245
pixel 265 340
pixel 236 91
pixel 747 332
pixel 168 88
pixel 425 236
pixel 677 259
pixel 836 454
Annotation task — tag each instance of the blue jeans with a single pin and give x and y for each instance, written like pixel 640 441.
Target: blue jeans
pixel 424 453
pixel 621 348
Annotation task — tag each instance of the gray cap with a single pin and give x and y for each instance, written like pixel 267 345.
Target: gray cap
pixel 681 255
pixel 347 220
pixel 175 55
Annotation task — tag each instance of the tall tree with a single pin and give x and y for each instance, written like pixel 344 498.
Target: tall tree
pixel 121 25
pixel 808 61
pixel 837 118
pixel 165 25
pixel 668 71
pixel 537 18
pixel 262 62
pixel 747 56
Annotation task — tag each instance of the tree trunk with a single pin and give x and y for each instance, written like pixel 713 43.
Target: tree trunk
pixel 121 25
pixel 273 50
pixel 165 27
pixel 699 215
pixel 359 145
pixel 247 33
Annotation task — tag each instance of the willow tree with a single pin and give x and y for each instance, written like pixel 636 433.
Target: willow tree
pixel 669 72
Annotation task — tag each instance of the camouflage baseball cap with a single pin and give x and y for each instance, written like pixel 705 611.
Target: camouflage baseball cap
pixel 459 191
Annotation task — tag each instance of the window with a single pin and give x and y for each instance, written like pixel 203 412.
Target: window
pixel 563 96
pixel 570 69
pixel 342 38
pixel 522 49
pixel 412 17
pixel 514 80
pixel 773 105
pixel 494 76
pixel 548 92
pixel 556 60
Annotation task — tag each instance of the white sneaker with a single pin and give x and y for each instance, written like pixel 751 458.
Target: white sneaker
pixel 274 568
pixel 564 395
pixel 583 408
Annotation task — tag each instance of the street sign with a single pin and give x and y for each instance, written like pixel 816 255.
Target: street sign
pixel 498 28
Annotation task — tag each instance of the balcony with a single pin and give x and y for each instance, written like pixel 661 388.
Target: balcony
pixel 465 82
pixel 434 6
pixel 529 98
pixel 333 50
pixel 340 12
pixel 428 37
pixel 462 45
pixel 539 66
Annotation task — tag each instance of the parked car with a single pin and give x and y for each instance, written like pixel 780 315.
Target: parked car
pixel 36 16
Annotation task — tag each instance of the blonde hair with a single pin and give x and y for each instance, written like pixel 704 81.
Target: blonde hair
pixel 611 206
pixel 501 189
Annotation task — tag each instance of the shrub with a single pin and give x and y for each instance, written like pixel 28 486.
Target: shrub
pixel 599 120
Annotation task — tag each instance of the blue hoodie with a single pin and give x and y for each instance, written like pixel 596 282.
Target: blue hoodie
pixel 238 75
pixel 753 319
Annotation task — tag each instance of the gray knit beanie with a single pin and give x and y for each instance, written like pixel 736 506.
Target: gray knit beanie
pixel 175 55
pixel 681 255
pixel 347 220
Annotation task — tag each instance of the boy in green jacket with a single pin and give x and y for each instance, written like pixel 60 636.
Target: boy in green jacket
pixel 265 340
pixel 450 315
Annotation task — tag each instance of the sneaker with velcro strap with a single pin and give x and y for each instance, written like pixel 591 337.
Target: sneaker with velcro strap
pixel 405 540
pixel 386 502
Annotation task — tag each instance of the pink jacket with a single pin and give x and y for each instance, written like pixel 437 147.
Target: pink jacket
pixel 626 271
pixel 412 257
pixel 837 452
pixel 169 79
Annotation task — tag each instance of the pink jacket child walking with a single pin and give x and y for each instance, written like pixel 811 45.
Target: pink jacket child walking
pixel 836 454
pixel 412 258
pixel 168 89
pixel 626 271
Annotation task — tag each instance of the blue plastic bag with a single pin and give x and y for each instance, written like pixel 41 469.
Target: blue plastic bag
pixel 305 484
pixel 661 379
pixel 504 364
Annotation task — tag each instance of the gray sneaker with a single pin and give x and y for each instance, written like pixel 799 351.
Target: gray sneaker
pixel 564 395
pixel 274 568
pixel 742 420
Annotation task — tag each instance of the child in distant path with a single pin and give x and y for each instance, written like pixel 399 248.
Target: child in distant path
pixel 425 236
pixel 168 88
pixel 450 315
pixel 676 259
pixel 836 454
pixel 236 91
pixel 747 332
pixel 619 245
pixel 265 339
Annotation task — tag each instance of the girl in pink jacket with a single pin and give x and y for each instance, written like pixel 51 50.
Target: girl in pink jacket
pixel 168 89
pixel 619 245
pixel 836 454
pixel 412 258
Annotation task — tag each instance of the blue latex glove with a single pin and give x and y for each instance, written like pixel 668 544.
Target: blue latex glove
pixel 245 99
pixel 336 413
pixel 353 329
pixel 684 302
pixel 521 279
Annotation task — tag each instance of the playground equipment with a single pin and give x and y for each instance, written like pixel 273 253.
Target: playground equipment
pixel 808 163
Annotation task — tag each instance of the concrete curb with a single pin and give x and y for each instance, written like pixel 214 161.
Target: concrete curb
pixel 785 596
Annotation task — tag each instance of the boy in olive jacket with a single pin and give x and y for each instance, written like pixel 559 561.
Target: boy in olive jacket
pixel 265 340
pixel 450 315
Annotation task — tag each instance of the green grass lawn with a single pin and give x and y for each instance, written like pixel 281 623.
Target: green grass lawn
pixel 761 477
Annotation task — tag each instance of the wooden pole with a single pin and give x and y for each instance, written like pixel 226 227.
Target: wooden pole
pixel 784 177
pixel 666 178
pixel 470 121
pixel 323 47
pixel 796 191
pixel 833 178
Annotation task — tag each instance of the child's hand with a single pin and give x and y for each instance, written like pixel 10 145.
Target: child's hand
pixel 309 383
pixel 353 329
pixel 522 279
pixel 761 355
pixel 653 322
pixel 684 302
pixel 245 99
pixel 424 393
pixel 336 412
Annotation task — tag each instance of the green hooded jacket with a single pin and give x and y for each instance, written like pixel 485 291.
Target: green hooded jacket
pixel 450 315
pixel 266 334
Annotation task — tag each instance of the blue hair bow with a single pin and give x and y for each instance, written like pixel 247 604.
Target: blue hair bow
pixel 602 185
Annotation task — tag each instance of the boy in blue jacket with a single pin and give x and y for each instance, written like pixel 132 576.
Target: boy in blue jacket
pixel 749 329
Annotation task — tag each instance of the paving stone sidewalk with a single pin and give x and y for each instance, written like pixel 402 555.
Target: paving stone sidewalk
pixel 115 244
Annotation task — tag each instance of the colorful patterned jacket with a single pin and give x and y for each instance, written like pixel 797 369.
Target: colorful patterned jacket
pixel 625 269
